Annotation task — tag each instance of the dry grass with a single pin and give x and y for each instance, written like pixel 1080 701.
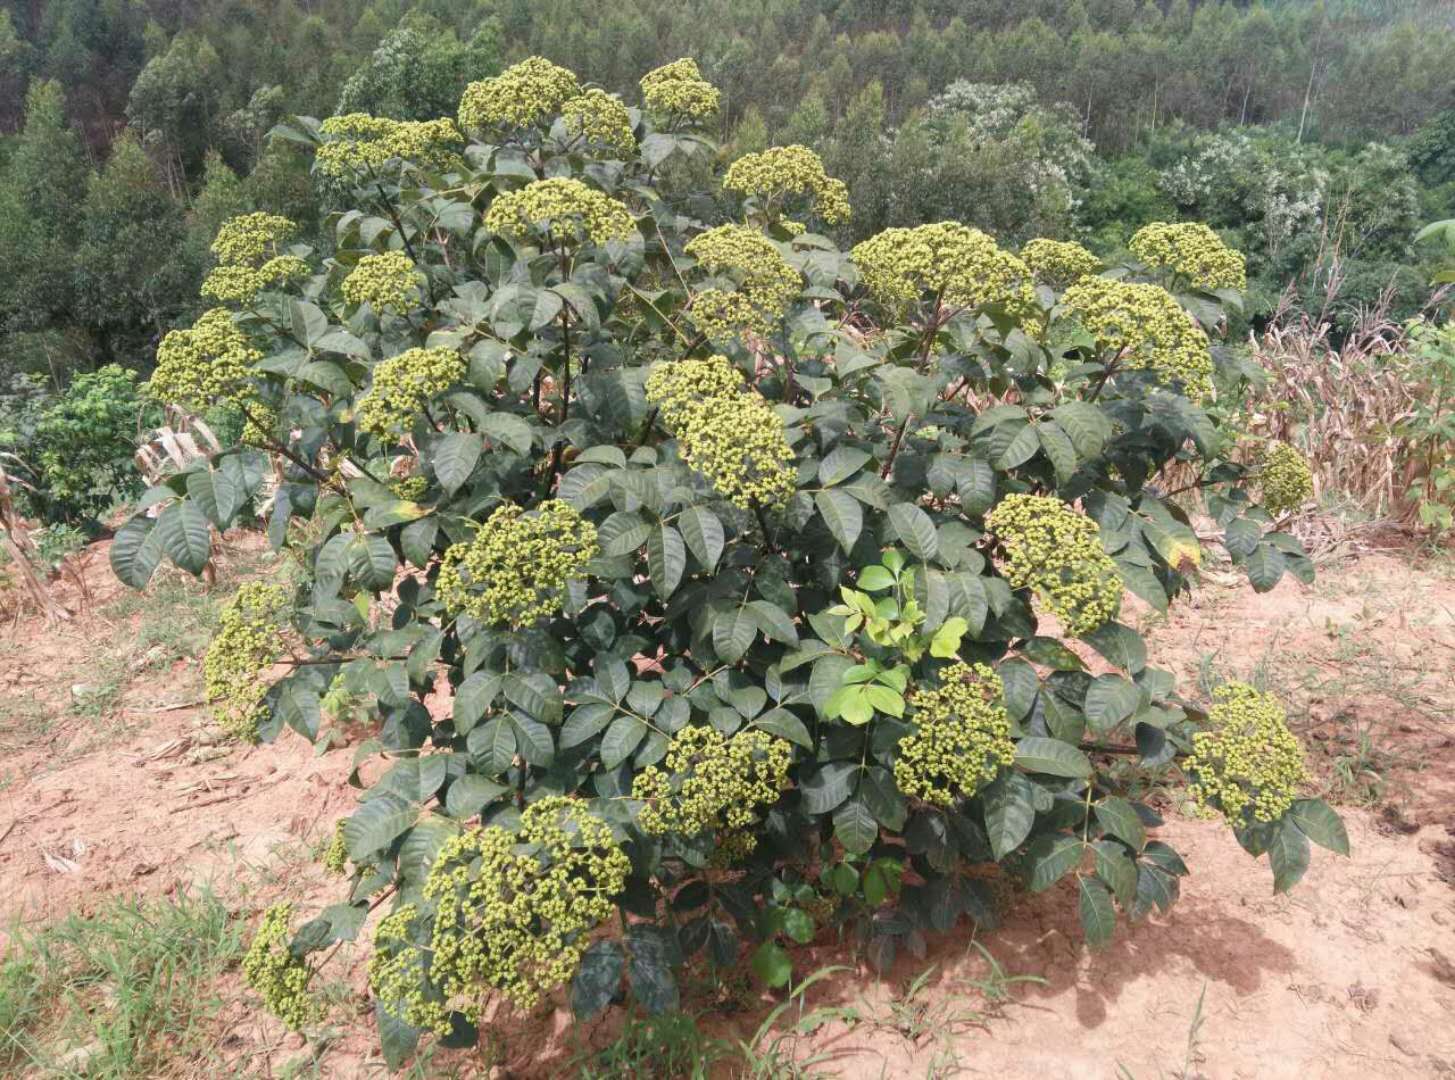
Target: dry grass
pixel 1342 404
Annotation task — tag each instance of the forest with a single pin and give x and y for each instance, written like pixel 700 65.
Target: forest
pixel 750 540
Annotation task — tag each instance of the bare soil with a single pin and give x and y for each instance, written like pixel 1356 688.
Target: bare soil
pixel 1353 975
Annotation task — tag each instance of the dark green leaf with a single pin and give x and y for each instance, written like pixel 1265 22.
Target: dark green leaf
pixel 136 551
pixel 841 464
pixel 1052 857
pixel 1110 699
pixel 855 827
pixel 666 559
pixel 185 536
pixel 621 739
pixel 772 965
pixel 914 527
pixel 704 535
pixel 826 786
pixel 1288 854
pixel 1119 818
pixel 454 459
pixel 1265 567
pixel 1052 757
pixel 1009 812
pixel 1098 917
pixel 842 515
pixel 376 824
pixel 598 979
pixel 1320 824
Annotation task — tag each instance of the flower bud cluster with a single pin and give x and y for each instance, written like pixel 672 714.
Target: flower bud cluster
pixel 961 738
pixel 517 566
pixel 247 641
pixel 383 281
pixel 281 978
pixel 711 783
pixel 336 856
pixel 399 973
pixel 208 364
pixel 678 89
pixel 1147 329
pixel 1287 479
pixel 512 912
pixel 728 433
pixel 1248 766
pixel 1058 263
pixel 958 263
pixel 403 385
pixel 248 239
pixel 358 142
pixel 601 119
pixel 781 171
pixel 242 284
pixel 1056 552
pixel 767 285
pixel 1192 251
pixel 524 94
pixel 565 208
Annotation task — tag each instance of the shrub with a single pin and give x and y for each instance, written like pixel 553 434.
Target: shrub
pixel 733 571
pixel 82 446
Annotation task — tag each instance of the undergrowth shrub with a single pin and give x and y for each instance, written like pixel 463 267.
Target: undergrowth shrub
pixel 704 576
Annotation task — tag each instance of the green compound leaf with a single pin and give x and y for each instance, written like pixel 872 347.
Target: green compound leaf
pixel 397 1039
pixel 1265 567
pixel 841 463
pixel 598 979
pixel 1119 818
pixel 823 788
pixel 1098 916
pixel 376 824
pixel 841 513
pixel 1052 757
pixel 1110 699
pixel 1316 820
pixel 185 536
pixel 666 559
pixel 454 459
pixel 1288 854
pixel 855 827
pixel 1052 857
pixel 1115 867
pixel 1010 812
pixel 621 739
pixel 915 529
pixel 136 551
pixel 703 532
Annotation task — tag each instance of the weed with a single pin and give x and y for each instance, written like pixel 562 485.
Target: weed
pixel 913 1017
pixel 127 992
pixel 669 1046
pixel 768 1055
pixel 996 986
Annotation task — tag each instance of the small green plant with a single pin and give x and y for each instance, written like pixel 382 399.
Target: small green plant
pixel 668 1046
pixel 126 992
pixel 1430 425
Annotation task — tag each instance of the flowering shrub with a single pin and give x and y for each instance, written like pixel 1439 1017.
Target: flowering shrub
pixel 757 589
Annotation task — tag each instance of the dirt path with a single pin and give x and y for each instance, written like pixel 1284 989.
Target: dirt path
pixel 1351 976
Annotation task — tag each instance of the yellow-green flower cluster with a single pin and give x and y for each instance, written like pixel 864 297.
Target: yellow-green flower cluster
pixel 961 738
pixel 336 856
pixel 1194 252
pixel 767 285
pixel 728 433
pixel 564 207
pixel 403 385
pixel 526 93
pixel 410 488
pixel 516 567
pixel 241 284
pixel 272 970
pixel 1057 552
pixel 1248 766
pixel 958 263
pixel 1059 262
pixel 678 89
pixel 248 238
pixel 359 142
pixel 386 280
pixel 1287 480
pixel 600 118
pixel 208 364
pixel 513 913
pixel 781 171
pixel 398 976
pixel 1146 328
pixel 245 645
pixel 711 783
